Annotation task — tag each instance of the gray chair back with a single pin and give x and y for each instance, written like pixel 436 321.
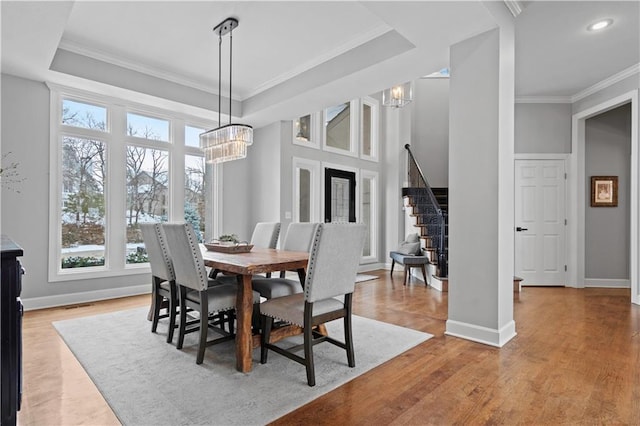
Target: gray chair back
pixel 155 244
pixel 334 259
pixel 187 257
pixel 299 236
pixel 265 234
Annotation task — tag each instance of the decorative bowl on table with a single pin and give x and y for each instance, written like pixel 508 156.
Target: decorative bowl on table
pixel 228 246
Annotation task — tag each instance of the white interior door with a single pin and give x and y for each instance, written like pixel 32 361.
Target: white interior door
pixel 540 222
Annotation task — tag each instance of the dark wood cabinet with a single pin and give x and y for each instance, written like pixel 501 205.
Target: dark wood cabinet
pixel 10 331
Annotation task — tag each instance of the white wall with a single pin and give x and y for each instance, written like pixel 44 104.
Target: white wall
pixel 25 215
pixel 430 129
pixel 542 128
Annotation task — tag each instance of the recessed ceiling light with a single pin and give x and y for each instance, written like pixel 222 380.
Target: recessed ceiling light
pixel 600 25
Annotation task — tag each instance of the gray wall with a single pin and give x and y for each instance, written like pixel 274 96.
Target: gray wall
pixel 607 229
pixel 25 215
pixel 542 128
pixel 430 129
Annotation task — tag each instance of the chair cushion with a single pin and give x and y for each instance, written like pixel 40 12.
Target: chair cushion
pixel 291 308
pixel 412 238
pixel 276 287
pixel 408 248
pixel 405 259
pixel 165 285
pixel 221 297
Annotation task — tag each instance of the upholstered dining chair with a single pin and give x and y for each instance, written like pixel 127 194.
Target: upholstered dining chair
pixel 265 235
pixel 328 292
pixel 196 293
pixel 299 238
pixel 163 285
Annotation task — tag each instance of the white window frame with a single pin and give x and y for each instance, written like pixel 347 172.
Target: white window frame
pixel 354 131
pixel 375 128
pixel 116 140
pixel 315 132
pixel 373 225
pixel 314 169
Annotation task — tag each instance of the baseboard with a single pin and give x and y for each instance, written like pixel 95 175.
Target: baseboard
pixel 440 284
pixel 83 297
pixel 476 333
pixel 607 283
pixel 373 267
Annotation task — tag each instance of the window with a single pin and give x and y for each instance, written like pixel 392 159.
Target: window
pixel 114 166
pixel 306 175
pixel 368 213
pixel 305 131
pixel 369 129
pixel 341 129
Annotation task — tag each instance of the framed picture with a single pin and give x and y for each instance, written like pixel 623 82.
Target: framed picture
pixel 604 191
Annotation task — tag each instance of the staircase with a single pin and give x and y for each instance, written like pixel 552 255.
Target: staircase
pixel 429 207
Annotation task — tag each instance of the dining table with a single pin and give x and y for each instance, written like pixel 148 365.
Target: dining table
pixel 245 266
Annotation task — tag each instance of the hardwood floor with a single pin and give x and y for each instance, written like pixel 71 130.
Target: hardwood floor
pixel 575 360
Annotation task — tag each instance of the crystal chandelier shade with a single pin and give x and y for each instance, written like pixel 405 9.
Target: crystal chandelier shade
pixel 398 96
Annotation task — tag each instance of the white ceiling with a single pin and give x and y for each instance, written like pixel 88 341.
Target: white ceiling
pixel 296 57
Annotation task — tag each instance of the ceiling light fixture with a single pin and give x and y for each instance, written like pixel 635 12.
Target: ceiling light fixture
pixel 398 96
pixel 600 25
pixel 228 142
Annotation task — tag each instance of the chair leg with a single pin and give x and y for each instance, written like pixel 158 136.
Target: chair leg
pixel 308 348
pixel 406 269
pixel 157 303
pixel 393 263
pixel 173 309
pixel 267 323
pixel 183 319
pixel 348 335
pixel 204 326
pixel 424 275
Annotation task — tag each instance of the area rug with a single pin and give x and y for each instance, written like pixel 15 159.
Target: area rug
pixel 362 277
pixel 147 381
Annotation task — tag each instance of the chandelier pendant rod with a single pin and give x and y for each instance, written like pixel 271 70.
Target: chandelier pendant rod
pixel 230 67
pixel 219 78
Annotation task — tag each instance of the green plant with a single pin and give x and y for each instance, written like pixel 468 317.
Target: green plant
pixel 82 262
pixel 138 257
pixel 232 238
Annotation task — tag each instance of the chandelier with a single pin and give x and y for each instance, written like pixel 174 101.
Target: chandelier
pixel 398 96
pixel 228 142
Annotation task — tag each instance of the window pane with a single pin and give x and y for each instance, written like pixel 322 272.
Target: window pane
pixel 194 190
pixel 145 127
pixel 303 128
pixel 147 195
pixel 192 136
pixel 304 198
pixel 366 129
pixel 83 203
pixel 366 215
pixel 79 114
pixel 338 126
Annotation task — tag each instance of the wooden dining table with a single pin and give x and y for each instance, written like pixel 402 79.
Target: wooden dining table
pixel 245 265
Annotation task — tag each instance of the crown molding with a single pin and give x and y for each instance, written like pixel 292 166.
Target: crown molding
pixel 514 6
pixel 101 55
pixel 543 99
pixel 634 69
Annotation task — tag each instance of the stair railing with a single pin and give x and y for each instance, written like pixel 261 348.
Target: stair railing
pixel 417 180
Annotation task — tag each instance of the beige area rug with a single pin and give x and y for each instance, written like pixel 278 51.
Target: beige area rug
pixel 147 381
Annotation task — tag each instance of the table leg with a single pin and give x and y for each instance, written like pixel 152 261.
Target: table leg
pixel 244 310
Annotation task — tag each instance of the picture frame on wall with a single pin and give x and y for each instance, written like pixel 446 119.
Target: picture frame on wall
pixel 604 191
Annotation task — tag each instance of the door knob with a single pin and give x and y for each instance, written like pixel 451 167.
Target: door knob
pixel 519 229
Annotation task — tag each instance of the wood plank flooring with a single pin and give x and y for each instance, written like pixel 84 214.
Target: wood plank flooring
pixel 575 360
